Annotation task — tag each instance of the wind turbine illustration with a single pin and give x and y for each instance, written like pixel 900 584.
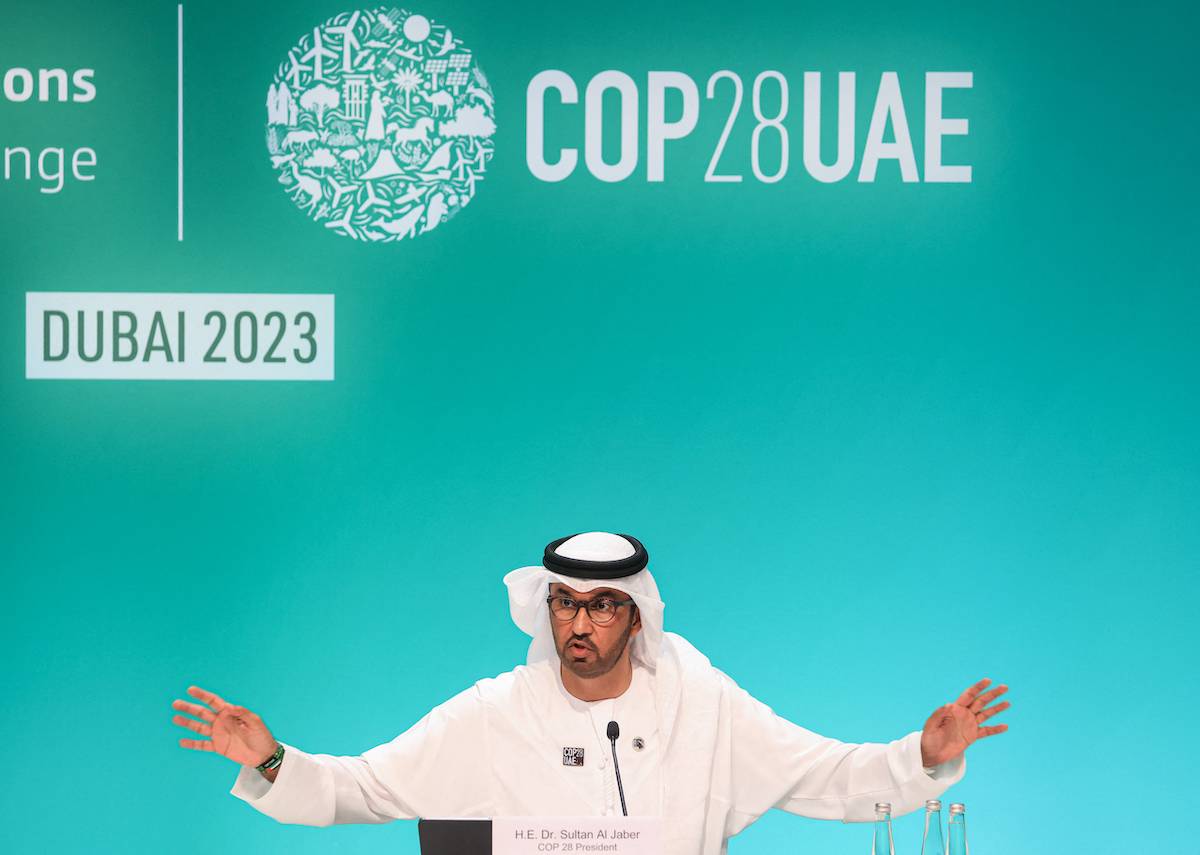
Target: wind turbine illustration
pixel 372 201
pixel 349 41
pixel 344 223
pixel 297 66
pixel 339 190
pixel 318 54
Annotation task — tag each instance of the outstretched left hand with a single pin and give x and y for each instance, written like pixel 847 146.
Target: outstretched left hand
pixel 954 726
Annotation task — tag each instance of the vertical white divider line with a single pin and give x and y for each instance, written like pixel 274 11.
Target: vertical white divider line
pixel 180 129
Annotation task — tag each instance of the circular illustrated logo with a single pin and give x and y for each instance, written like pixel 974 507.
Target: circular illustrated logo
pixel 380 124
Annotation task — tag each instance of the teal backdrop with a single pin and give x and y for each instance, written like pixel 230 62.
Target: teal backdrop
pixel 880 439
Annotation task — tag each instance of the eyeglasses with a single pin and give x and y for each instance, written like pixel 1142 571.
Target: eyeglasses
pixel 601 610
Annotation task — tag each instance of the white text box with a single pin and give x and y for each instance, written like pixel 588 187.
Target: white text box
pixel 92 335
pixel 577 835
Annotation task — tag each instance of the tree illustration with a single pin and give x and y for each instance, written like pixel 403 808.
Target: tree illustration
pixel 407 80
pixel 469 122
pixel 319 99
pixel 322 159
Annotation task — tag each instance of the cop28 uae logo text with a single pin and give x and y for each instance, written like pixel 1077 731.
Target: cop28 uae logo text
pixel 380 124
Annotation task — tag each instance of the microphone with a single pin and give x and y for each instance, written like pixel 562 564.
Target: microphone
pixel 614 731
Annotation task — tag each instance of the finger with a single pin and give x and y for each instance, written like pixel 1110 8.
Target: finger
pixel 987 697
pixel 194 709
pixel 192 724
pixel 197 744
pixel 969 695
pixel 208 697
pixel 991 731
pixel 984 715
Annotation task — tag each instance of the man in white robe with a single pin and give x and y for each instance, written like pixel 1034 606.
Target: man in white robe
pixel 693 748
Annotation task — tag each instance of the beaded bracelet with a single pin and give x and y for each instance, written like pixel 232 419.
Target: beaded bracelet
pixel 273 761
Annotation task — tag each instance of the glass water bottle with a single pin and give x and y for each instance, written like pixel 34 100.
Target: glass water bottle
pixel 958 830
pixel 883 830
pixel 932 843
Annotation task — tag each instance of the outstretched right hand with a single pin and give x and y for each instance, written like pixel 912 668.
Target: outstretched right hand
pixel 234 731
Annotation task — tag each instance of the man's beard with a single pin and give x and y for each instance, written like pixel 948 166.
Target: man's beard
pixel 602 664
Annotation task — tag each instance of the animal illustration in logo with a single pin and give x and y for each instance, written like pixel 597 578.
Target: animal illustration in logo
pixel 380 124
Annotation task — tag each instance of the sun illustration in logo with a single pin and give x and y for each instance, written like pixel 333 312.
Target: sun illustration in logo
pixel 380 124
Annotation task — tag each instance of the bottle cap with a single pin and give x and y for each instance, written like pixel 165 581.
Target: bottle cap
pixel 933 804
pixel 883 807
pixel 958 807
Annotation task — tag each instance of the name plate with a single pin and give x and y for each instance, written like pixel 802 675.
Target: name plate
pixel 577 835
